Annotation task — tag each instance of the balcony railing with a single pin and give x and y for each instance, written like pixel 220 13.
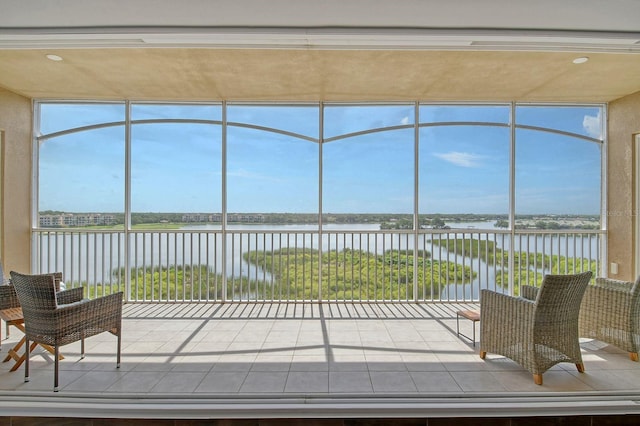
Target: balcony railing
pixel 307 266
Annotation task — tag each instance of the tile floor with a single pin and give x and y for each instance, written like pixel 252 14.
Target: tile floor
pixel 304 349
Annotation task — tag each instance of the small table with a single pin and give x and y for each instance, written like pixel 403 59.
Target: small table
pixel 13 316
pixel 474 317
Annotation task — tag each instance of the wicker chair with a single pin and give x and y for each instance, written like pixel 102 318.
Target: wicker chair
pixel 610 313
pixel 57 319
pixel 539 329
pixel 9 298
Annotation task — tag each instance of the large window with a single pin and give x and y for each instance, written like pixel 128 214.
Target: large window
pixel 335 201
pixel 176 161
pixel 436 160
pixel 368 160
pixel 81 173
pixel 558 165
pixel 464 161
pixel 272 163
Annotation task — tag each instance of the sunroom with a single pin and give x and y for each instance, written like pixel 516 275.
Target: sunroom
pixel 296 211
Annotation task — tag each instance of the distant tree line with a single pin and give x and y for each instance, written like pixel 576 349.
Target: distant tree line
pixel 386 220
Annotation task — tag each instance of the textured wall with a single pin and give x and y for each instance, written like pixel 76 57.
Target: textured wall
pixel 624 124
pixel 15 120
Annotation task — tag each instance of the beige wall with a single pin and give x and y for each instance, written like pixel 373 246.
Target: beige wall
pixel 15 121
pixel 624 123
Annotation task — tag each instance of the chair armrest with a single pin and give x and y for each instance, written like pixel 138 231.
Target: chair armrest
pixel 83 317
pixel 497 305
pixel 8 297
pixel 69 296
pixel 103 313
pixel 610 304
pixel 490 300
pixel 109 300
pixel 95 306
pixel 612 284
pixel 502 317
pixel 529 292
pixel 54 326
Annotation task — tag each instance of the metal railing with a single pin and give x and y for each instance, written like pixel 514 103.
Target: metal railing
pixel 306 266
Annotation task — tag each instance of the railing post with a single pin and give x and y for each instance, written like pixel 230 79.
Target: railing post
pixel 416 212
pixel 127 204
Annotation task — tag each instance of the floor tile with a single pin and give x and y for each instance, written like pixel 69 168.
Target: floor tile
pixel 350 382
pixel 434 382
pixel 359 349
pixel 477 381
pixel 377 362
pixel 389 382
pixel 178 382
pixel 222 382
pixel 423 362
pixel 348 363
pixel 307 382
pixel 94 381
pixel 268 362
pixel 309 363
pixel 194 363
pixel 264 381
pixel 141 382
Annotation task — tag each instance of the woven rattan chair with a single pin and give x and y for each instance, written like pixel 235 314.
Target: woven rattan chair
pixel 57 319
pixel 537 330
pixel 9 298
pixel 610 313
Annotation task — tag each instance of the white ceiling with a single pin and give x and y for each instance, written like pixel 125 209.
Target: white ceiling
pixel 321 49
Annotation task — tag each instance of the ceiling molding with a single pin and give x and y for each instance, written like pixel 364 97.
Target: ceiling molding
pixel 321 38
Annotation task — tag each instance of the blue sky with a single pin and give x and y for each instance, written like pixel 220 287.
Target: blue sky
pixel 177 167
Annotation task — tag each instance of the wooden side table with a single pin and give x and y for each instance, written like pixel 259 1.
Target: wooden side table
pixel 474 317
pixel 13 316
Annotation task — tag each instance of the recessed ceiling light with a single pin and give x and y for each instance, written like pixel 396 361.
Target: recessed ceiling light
pixel 54 57
pixel 580 60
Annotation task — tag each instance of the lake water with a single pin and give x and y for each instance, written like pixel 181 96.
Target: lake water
pixel 92 257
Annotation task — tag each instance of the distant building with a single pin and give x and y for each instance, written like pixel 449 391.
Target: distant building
pixel 217 217
pixel 51 221
pixel 202 217
pixel 73 220
pixel 245 218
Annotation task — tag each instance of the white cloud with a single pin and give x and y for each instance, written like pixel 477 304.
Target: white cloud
pixel 462 159
pixel 405 120
pixel 592 125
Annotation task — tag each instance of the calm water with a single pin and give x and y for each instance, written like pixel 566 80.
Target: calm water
pixel 96 256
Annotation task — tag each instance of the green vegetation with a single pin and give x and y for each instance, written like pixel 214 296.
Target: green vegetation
pixel 398 224
pixel 346 275
pixel 354 274
pixel 545 224
pixel 187 282
pixel 292 274
pixel 529 268
pixel 525 275
pixel 435 222
pixel 172 283
pixel 469 247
